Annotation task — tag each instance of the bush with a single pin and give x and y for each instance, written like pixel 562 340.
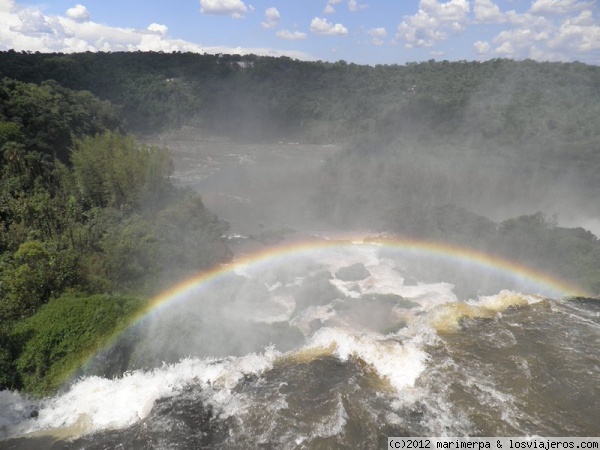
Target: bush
pixel 62 334
pixel 36 272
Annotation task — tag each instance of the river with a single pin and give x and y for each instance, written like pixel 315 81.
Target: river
pixel 323 340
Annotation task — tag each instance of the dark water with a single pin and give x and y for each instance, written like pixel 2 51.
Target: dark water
pixel 328 349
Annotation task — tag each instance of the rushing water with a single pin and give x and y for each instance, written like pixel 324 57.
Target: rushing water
pixel 329 348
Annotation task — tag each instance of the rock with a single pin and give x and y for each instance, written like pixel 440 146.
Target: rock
pixel 355 272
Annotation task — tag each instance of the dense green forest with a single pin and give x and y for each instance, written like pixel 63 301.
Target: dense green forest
pixel 88 209
pixel 264 97
pixel 91 223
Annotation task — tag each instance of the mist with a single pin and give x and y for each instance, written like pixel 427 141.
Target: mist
pixel 255 186
pixel 332 253
pixel 500 161
pixel 473 176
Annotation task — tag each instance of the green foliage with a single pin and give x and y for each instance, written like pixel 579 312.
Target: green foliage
pixel 9 132
pixel 36 272
pixel 257 97
pixel 9 376
pixel 115 171
pixel 570 254
pixel 97 223
pixel 106 218
pixel 111 222
pixel 45 117
pixel 147 251
pixel 55 341
pixel 254 97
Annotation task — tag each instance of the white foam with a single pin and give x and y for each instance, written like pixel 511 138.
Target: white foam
pixel 504 297
pixel 277 308
pixel 304 319
pixel 101 403
pixel 335 424
pixel 14 408
pixel 399 363
pixel 386 279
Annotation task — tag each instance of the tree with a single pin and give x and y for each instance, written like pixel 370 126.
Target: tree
pixel 114 171
pixel 36 273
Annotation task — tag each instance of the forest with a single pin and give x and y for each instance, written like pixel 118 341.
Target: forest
pixel 480 154
pixel 86 210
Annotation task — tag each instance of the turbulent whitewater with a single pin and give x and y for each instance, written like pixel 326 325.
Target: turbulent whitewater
pixel 332 346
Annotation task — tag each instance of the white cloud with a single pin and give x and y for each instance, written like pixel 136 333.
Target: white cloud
pixel 557 7
pixel 506 50
pixel 549 31
pixel 527 20
pixel 378 35
pixel 519 43
pixel 379 32
pixel 30 29
pixel 481 47
pixel 235 8
pixel 158 28
pixel 452 10
pixel 272 18
pixel 556 30
pixel 321 26
pixel 580 34
pixel 432 21
pixel 78 13
pixel 329 8
pixel 32 22
pixel 291 35
pixel 520 36
pixel 354 6
pixel 486 11
pixel 6 5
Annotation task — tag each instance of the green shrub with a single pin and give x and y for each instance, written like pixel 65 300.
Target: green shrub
pixel 63 333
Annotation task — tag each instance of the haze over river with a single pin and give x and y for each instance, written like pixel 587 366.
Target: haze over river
pixel 325 339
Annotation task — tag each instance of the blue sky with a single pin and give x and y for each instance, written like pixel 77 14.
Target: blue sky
pixel 360 31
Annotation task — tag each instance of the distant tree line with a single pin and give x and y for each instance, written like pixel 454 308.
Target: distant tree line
pixel 264 97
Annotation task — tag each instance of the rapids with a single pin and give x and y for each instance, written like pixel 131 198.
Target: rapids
pixel 329 347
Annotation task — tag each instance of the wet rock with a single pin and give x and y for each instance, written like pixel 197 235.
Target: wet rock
pixel 315 325
pixel 316 290
pixel 355 272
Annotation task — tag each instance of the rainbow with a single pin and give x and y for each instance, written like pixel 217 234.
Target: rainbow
pixel 274 254
pixel 305 246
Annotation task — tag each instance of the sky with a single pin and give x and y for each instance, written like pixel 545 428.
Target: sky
pixel 357 31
